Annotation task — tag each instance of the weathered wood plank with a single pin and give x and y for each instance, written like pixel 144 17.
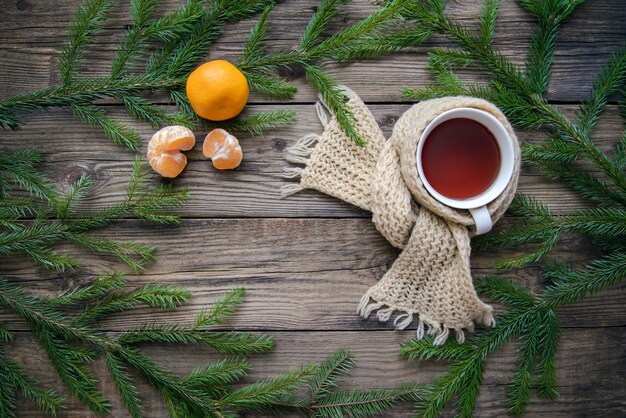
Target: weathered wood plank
pixel 306 274
pixel 253 189
pixel 33 32
pixel 590 366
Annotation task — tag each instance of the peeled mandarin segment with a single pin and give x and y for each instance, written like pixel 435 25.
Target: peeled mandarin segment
pixel 171 164
pixel 164 150
pixel 181 144
pixel 227 158
pixel 223 149
pixel 213 142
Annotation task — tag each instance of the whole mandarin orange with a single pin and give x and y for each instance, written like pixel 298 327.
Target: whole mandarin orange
pixel 217 90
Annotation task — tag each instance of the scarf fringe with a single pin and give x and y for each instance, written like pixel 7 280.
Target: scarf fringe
pixel 440 333
pixel 298 153
pixel 289 189
pixel 292 172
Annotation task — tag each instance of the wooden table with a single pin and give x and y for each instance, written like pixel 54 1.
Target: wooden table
pixel 307 260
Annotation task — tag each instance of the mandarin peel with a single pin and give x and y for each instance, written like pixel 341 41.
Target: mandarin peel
pixel 164 150
pixel 222 149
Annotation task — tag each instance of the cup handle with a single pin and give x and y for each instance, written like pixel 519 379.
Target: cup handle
pixel 482 219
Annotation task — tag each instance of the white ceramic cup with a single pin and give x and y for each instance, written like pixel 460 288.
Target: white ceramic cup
pixel 477 205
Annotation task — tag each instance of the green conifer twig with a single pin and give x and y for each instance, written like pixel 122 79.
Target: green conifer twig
pixel 529 318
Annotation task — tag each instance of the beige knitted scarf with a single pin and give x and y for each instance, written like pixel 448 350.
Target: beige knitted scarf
pixel 430 280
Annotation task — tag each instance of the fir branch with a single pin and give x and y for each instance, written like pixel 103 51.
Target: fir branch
pixel 161 296
pixel 448 58
pixel 14 208
pixel 234 12
pixel 125 386
pixel 240 344
pixel 100 286
pixel 7 397
pixel 261 122
pixel 613 78
pixel 372 24
pixel 373 46
pixel 542 44
pixel 464 375
pixel 30 238
pixel 50 259
pixel 86 91
pixel 77 377
pixel 363 403
pixel 318 23
pixel 114 130
pixel 541 228
pixel 132 45
pixel 56 222
pixel 335 98
pixel 572 285
pixel 163 380
pixel 505 291
pixel 87 20
pixel 257 37
pixel 262 395
pixel 509 77
pixel 546 369
pixel 219 373
pixel 6 335
pixel 325 378
pixel 520 387
pixel 585 183
pixel 220 309
pixel 177 23
pixel 141 109
pixel 268 85
pixel 18 168
pixel 133 254
pixel 187 33
pixel 76 191
pixel 47 400
pixel 180 99
pixel 487 19
pixel 366 38
pixel 55 332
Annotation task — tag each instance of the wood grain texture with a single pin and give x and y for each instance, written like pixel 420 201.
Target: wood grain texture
pixel 306 260
pixel 588 383
pixel 34 30
pixel 305 274
pixel 72 149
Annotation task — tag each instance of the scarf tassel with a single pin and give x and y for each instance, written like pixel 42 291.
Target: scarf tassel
pixel 436 330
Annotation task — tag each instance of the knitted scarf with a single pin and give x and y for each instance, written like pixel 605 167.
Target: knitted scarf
pixel 430 280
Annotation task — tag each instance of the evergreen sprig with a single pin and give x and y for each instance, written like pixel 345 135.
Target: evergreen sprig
pixel 367 38
pixel 531 319
pixel 57 219
pixel 183 38
pixel 314 392
pixel 72 346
